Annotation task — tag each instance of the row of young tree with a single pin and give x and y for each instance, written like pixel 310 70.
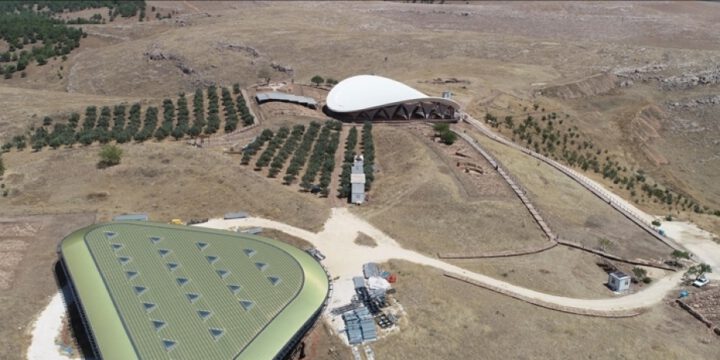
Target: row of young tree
pixel 312 149
pixel 301 153
pixel 322 159
pixel 287 149
pixel 552 136
pixel 345 188
pixel 368 147
pixel 111 124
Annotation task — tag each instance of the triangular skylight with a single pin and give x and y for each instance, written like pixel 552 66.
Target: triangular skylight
pixel 274 280
pixel 110 234
pixel 131 274
pixel 261 266
pixel 139 290
pixel 169 344
pixel 182 281
pixel 223 273
pixel 155 239
pixel 172 266
pixel 249 252
pixel 201 245
pixel 234 288
pixel 247 304
pixel 212 259
pixel 124 260
pixel 204 314
pixel 149 307
pixel 192 297
pixel 216 333
pixel 116 247
pixel 163 252
pixel 158 324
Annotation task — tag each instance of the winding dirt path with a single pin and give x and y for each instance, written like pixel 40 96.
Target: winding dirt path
pixel 345 259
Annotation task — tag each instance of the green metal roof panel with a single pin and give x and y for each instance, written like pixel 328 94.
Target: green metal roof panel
pixel 119 319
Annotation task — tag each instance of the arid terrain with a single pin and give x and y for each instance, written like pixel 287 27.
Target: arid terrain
pixel 638 80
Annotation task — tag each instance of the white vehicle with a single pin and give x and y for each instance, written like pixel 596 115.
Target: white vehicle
pixel 701 281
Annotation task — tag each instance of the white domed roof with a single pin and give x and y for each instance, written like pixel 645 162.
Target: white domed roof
pixel 369 91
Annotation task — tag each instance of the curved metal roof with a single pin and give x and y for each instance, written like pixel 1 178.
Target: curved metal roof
pixel 141 308
pixel 364 92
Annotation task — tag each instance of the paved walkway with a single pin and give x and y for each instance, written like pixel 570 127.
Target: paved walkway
pixel 345 259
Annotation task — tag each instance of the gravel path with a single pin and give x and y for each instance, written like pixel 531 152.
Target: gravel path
pixel 345 259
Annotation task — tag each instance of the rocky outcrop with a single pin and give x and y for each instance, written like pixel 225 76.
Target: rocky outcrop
pixel 282 68
pixel 249 50
pixel 709 100
pixel 155 53
pixel 691 80
pixel 590 86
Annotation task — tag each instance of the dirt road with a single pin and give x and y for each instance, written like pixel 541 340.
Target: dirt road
pixel 345 259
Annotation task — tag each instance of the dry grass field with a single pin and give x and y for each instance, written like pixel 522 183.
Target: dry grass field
pixel 420 199
pixel 166 180
pixel 491 55
pixel 573 212
pixel 450 319
pixel 28 246
pixel 561 271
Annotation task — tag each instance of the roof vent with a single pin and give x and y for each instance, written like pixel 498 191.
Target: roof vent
pixel 182 281
pixel 212 259
pixel 131 274
pixel 204 314
pixel 261 266
pixel 124 260
pixel 172 266
pixel 169 344
pixel 139 290
pixel 274 280
pixel 149 307
pixel 249 252
pixel 234 288
pixel 155 239
pixel 192 297
pixel 216 333
pixel 110 234
pixel 201 245
pixel 158 325
pixel 223 273
pixel 247 304
pixel 116 247
pixel 163 252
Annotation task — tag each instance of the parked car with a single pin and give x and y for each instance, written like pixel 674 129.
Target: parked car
pixel 701 281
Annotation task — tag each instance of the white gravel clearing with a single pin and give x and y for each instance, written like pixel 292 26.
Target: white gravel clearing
pixel 46 329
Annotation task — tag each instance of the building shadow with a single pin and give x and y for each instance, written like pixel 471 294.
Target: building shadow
pixel 77 329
